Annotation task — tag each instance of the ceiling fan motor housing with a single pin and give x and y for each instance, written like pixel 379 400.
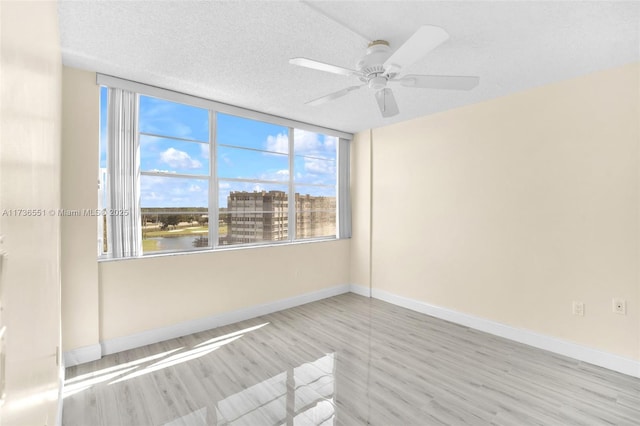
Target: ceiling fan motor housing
pixel 372 63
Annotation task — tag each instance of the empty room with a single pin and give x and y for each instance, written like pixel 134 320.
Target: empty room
pixel 319 213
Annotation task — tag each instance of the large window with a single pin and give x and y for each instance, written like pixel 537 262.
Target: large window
pixel 208 179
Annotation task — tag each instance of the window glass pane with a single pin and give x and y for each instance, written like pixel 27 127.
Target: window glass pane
pixel 238 131
pixel 174 229
pixel 314 144
pixel 315 170
pixel 165 192
pixel 167 118
pixel 315 212
pixel 173 156
pixel 246 164
pixel 253 213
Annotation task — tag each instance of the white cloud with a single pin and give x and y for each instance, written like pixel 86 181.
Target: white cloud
pixel 314 144
pixel 204 151
pixel 179 159
pixel 306 142
pixel 278 143
pixel 152 196
pixel 162 171
pixel 159 191
pixel 330 142
pixel 314 165
pixel 278 175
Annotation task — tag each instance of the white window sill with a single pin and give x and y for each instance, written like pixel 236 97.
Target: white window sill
pixel 222 249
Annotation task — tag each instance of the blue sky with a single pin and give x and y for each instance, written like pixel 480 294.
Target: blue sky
pixel 314 155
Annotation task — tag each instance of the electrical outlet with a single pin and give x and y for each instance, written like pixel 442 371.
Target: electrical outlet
pixel 620 306
pixel 578 308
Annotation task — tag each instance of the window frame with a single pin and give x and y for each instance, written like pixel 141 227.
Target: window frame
pixel 214 108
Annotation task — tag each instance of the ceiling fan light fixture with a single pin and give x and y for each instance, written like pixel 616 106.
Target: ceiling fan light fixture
pixel 378 83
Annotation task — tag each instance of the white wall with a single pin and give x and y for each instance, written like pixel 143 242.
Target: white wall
pixel 30 73
pixel 511 209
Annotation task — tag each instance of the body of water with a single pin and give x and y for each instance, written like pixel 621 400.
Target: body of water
pixel 176 243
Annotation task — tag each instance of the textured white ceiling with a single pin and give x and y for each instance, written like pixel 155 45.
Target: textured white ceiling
pixel 238 52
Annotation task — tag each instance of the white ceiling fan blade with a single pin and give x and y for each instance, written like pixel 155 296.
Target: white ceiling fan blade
pixel 446 82
pixel 427 38
pixel 332 96
pixel 321 66
pixel 387 102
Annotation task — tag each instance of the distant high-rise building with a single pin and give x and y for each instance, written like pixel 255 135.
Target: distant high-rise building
pixel 315 216
pixel 263 216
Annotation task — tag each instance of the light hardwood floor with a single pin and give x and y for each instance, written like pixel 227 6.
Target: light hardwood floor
pixel 346 360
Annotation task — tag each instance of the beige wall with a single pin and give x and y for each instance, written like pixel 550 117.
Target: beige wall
pixel 80 133
pixel 511 209
pixel 118 298
pixel 142 294
pixel 30 73
pixel 361 210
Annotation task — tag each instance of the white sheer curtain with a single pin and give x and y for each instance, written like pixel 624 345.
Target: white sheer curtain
pixel 123 174
pixel 344 188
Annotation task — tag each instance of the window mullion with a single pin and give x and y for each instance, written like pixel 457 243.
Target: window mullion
pixel 214 208
pixel 292 189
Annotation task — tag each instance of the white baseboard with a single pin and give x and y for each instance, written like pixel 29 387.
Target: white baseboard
pixel 552 344
pixel 593 356
pixel 148 337
pixel 82 355
pixel 360 289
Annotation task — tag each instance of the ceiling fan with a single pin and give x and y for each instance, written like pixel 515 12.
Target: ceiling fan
pixel 380 69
